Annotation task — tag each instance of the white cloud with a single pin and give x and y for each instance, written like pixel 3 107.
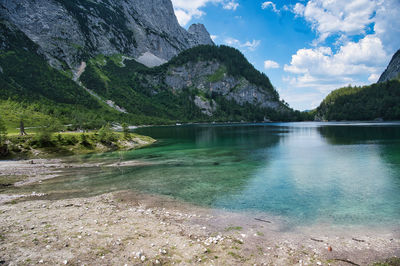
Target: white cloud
pixel 251 46
pixel 270 64
pixel 232 5
pixel 364 34
pixel 373 78
pixel 214 37
pixel 356 17
pixel 322 69
pixel 387 24
pixel 269 4
pixel 186 10
pixel 329 17
pixel 302 100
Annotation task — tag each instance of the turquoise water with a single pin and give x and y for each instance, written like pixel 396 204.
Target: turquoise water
pixel 336 173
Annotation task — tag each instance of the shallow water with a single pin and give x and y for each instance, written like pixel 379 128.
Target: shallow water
pixel 306 173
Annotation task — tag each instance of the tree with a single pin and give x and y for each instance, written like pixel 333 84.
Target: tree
pixel 106 135
pixel 22 128
pixel 125 130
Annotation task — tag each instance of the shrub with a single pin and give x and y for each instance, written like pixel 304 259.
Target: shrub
pixel 45 133
pixel 84 140
pixel 105 135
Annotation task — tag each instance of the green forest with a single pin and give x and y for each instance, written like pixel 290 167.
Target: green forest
pixel 376 101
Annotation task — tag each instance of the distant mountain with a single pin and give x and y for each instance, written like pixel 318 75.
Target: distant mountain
pixel 393 69
pixel 374 102
pixel 88 62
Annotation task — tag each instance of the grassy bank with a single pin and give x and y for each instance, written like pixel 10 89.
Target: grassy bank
pixel 43 145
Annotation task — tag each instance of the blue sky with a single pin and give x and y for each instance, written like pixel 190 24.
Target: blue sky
pixel 307 48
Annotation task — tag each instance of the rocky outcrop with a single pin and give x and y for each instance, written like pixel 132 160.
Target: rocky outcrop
pixel 210 79
pixel 70 31
pixel 393 69
pixel 199 34
pixel 207 106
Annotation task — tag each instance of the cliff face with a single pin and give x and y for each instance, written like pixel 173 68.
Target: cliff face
pixel 211 78
pixel 71 31
pixel 393 69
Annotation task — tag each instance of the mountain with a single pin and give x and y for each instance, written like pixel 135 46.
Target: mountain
pixel 91 62
pixel 374 102
pixel 393 69
pixel 203 83
pixel 71 31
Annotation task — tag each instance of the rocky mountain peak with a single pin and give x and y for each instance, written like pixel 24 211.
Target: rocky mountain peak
pixel 70 31
pixel 200 34
pixel 393 69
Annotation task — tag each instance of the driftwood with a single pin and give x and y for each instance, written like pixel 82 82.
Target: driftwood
pixel 358 240
pixel 317 240
pixel 347 261
pixel 261 220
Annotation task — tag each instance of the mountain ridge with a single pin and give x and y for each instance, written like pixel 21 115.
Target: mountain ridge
pixel 71 31
pixel 149 70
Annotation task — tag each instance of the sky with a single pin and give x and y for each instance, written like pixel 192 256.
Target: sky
pixel 307 47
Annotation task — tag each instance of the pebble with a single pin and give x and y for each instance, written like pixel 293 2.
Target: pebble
pixel 214 240
pixel 139 254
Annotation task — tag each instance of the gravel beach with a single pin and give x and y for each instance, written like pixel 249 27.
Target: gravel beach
pixel 131 228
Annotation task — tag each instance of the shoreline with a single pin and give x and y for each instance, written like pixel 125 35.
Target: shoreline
pixel 122 227
pixel 133 228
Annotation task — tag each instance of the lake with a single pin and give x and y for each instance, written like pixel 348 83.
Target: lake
pixel 304 173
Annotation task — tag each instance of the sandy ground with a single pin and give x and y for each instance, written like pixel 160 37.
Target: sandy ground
pixel 129 228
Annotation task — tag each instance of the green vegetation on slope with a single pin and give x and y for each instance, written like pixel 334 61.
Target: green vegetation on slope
pixel 131 87
pixel 381 100
pixel 33 90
